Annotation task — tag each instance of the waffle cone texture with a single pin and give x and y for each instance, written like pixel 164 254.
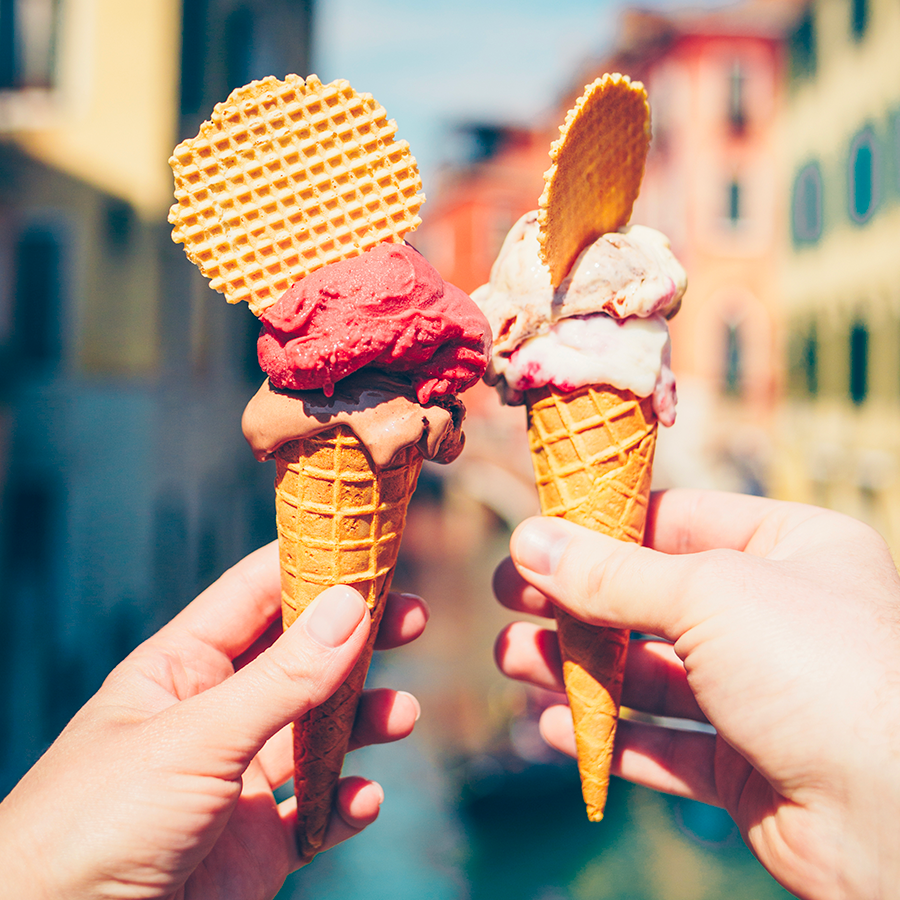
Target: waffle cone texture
pixel 285 178
pixel 597 166
pixel 592 450
pixel 340 521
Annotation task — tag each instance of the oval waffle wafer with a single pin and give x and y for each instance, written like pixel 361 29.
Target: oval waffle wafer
pixel 597 166
pixel 287 177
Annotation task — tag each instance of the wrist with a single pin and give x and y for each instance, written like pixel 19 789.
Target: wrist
pixel 868 846
pixel 23 876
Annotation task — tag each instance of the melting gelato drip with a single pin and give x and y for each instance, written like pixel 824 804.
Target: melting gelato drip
pixel 381 412
pixel 633 354
pixel 604 324
pixel 386 309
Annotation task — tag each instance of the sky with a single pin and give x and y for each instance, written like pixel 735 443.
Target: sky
pixel 434 64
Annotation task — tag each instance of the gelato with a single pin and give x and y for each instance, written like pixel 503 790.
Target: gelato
pixel 578 305
pixel 296 197
pixel 386 309
pixel 604 324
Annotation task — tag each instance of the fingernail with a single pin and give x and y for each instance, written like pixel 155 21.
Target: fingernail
pixel 415 703
pixel 415 598
pixel 540 544
pixel 335 616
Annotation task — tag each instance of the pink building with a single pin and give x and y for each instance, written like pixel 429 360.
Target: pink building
pixel 714 80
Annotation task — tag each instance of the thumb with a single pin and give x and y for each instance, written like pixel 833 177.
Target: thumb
pixel 603 581
pixel 302 669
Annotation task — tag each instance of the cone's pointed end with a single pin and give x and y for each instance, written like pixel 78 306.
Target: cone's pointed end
pixel 595 794
pixel 306 852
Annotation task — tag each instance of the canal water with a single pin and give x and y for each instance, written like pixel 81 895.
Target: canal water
pixel 475 832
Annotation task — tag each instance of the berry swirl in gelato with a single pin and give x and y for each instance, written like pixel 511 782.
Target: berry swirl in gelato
pixel 379 343
pixel 386 309
pixel 606 323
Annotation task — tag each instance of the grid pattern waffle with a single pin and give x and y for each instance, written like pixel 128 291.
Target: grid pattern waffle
pixel 287 177
pixel 344 519
pixel 593 671
pixel 339 522
pixel 597 167
pixel 592 450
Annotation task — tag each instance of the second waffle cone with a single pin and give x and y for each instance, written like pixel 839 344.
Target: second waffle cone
pixel 592 450
pixel 340 521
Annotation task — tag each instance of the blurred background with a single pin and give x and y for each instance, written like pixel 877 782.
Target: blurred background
pixel 125 484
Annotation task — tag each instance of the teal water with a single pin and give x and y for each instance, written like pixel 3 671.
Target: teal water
pixel 524 836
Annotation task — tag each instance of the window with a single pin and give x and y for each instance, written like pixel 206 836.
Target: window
pixel 862 176
pixel 810 362
pixel 28 34
pixel 240 34
pixel 859 362
pixel 806 206
pixel 859 18
pixel 803 52
pixel 895 146
pixel 734 363
pixel 37 297
pixel 31 511
pixel 120 225
pixel 737 114
pixel 734 202
pixel 193 54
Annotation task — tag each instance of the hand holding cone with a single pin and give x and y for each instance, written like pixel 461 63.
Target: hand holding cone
pixel 340 521
pixel 593 456
pixel 286 178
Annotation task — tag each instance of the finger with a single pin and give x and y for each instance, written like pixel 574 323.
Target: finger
pixel 299 671
pixel 529 653
pixel 689 521
pixel 383 716
pixel 656 682
pixel 557 729
pixel 665 759
pixel 603 581
pixel 236 609
pixel 357 804
pixel 405 617
pixel 261 644
pixel 515 593
pixel 276 758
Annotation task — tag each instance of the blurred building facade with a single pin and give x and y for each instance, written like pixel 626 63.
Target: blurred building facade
pixel 715 85
pixel 840 432
pixel 125 486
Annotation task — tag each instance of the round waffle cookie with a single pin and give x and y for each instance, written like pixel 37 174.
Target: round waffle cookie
pixel 287 177
pixel 597 166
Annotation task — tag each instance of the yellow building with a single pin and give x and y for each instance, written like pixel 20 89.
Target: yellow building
pixel 839 434
pixel 125 485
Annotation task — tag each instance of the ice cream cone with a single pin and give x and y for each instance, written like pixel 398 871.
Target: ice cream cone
pixel 592 450
pixel 340 521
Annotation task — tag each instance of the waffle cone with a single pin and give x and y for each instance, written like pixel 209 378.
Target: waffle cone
pixel 597 166
pixel 592 450
pixel 340 521
pixel 287 177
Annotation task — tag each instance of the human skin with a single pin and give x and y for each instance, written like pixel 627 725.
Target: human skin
pixel 780 626
pixel 161 786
